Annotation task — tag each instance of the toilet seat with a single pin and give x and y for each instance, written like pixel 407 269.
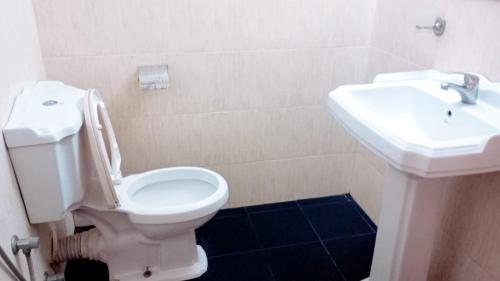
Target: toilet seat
pixel 107 164
pixel 160 196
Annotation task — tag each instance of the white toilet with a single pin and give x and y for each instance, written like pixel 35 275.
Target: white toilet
pixel 66 159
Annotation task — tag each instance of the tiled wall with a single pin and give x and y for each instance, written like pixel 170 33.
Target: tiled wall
pixel 468 242
pixel 248 90
pixel 21 65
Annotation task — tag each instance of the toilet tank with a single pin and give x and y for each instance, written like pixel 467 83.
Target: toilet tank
pixel 43 137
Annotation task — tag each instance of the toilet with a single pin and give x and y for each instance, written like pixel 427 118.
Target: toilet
pixel 66 158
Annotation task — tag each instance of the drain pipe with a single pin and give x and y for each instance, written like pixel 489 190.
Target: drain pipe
pixel 87 244
pixel 11 266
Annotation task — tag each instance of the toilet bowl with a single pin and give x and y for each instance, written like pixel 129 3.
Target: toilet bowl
pixel 167 201
pixel 66 150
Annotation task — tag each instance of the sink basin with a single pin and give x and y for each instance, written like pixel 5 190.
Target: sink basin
pixel 421 129
pixel 426 135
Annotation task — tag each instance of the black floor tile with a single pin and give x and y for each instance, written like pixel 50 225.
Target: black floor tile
pixel 366 217
pixel 349 197
pixel 227 235
pixel 230 212
pixel 308 262
pixel 84 270
pixel 272 207
pixel 323 200
pixel 336 220
pixel 284 227
pixel 232 238
pixel 251 266
pixel 353 255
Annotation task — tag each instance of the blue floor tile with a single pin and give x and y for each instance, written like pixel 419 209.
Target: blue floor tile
pixel 336 220
pixel 272 207
pixel 241 267
pixel 230 212
pixel 353 255
pixel 308 262
pixel 227 235
pixel 284 227
pixel 323 200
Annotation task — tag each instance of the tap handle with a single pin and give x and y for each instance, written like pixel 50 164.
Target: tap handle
pixel 471 80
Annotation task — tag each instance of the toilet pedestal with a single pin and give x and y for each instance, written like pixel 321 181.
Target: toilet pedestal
pixel 411 212
pixel 131 256
pixel 177 261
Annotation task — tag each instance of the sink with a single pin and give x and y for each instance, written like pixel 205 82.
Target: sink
pixel 427 136
pixel 421 129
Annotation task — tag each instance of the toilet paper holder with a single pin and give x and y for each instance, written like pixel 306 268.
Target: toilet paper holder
pixel 153 77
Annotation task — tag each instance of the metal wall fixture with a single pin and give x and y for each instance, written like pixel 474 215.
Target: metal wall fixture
pixel 53 277
pixel 438 27
pixel 26 245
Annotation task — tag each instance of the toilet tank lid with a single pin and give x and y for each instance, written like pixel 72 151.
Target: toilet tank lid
pixel 44 113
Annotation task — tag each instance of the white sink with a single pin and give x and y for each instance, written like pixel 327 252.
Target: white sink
pixel 420 128
pixel 426 135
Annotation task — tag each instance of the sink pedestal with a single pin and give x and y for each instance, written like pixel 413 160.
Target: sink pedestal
pixel 427 136
pixel 411 211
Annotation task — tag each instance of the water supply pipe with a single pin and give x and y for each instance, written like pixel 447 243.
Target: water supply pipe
pixel 11 265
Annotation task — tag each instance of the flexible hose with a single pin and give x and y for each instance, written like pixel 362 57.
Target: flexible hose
pixel 31 270
pixel 80 245
pixel 11 266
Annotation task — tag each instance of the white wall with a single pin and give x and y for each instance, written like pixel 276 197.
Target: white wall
pixel 21 65
pixel 248 91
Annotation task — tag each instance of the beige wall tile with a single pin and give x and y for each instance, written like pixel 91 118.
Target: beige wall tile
pixel 154 26
pixel 366 185
pixel 229 137
pixel 215 82
pixel 272 181
pixel 248 78
pixel 450 264
pixel 381 61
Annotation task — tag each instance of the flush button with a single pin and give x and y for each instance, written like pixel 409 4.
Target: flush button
pixel 49 103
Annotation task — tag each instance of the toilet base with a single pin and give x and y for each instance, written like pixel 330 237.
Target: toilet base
pixel 175 274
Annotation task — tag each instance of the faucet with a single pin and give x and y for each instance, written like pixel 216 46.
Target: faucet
pixel 469 90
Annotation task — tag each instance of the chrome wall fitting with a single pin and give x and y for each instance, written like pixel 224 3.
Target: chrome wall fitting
pixel 25 244
pixel 438 27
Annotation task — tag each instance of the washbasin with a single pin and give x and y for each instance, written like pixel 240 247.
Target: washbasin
pixel 427 133
pixel 420 128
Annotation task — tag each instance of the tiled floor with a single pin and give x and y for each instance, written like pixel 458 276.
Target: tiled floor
pixel 322 239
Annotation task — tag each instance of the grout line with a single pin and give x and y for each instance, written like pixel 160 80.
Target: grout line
pixel 323 244
pixel 254 229
pixel 243 110
pixel 259 244
pixel 270 211
pixel 263 249
pixel 366 219
pixel 349 236
pixel 227 217
pixel 324 204
pixel 212 166
pixel 201 52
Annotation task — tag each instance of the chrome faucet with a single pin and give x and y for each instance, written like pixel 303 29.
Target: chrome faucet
pixel 469 90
